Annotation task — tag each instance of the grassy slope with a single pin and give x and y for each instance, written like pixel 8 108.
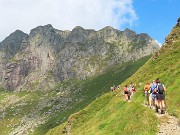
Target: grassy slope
pixel 93 88
pixel 167 68
pixel 111 115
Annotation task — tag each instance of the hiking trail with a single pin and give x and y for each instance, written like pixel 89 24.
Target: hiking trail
pixel 169 125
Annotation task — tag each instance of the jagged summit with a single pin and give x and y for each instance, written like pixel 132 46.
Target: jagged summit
pixel 104 33
pixel 128 30
pixel 14 35
pixel 108 28
pixel 41 29
pixel 12 44
pixel 78 28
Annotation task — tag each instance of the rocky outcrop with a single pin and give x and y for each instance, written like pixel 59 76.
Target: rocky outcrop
pixel 49 55
pixel 12 44
pixel 178 22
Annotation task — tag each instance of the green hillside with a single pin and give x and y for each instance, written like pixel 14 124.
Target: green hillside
pixel 93 88
pixel 110 114
pixel 165 64
pixel 25 104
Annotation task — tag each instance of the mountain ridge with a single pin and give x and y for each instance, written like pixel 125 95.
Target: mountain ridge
pixel 79 53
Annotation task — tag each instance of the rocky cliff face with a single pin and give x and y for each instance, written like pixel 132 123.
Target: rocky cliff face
pixel 48 55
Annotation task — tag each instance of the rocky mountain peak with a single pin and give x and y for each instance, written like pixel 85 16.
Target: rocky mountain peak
pixel 42 30
pixel 108 28
pixel 79 34
pixel 16 35
pixel 129 33
pixel 78 28
pixel 12 44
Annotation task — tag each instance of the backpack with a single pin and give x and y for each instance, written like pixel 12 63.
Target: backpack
pixel 160 89
pixel 152 89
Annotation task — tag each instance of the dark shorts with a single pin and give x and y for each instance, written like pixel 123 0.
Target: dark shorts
pixel 126 92
pixel 160 96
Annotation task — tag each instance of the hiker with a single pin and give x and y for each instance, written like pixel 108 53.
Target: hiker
pixel 126 93
pixel 147 94
pixel 153 94
pixel 118 87
pixel 130 92
pixel 160 89
pixel 112 89
pixel 133 90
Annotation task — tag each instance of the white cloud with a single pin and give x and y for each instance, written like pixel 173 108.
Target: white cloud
pixel 160 44
pixel 64 14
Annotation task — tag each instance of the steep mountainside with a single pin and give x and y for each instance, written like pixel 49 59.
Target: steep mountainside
pixel 109 114
pixel 47 55
pixel 49 74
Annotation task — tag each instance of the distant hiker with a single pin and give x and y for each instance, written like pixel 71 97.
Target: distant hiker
pixel 118 87
pixel 147 94
pixel 130 92
pixel 153 94
pixel 133 90
pixel 160 88
pixel 126 93
pixel 112 89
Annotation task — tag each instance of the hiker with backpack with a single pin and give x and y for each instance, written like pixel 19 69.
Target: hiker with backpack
pixel 160 89
pixel 153 93
pixel 130 92
pixel 133 90
pixel 126 93
pixel 147 94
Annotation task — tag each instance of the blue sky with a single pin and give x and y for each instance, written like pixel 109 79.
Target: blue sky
pixel 155 17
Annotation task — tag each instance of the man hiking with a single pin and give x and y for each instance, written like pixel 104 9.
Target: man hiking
pixel 160 89
pixel 153 94
pixel 147 94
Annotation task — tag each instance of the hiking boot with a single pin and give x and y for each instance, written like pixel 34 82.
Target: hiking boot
pixel 162 112
pixel 157 109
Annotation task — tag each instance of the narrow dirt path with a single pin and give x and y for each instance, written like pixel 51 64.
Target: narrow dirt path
pixel 169 125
